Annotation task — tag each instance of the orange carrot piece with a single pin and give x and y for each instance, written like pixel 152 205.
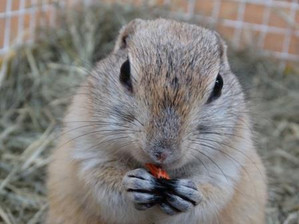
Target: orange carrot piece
pixel 157 171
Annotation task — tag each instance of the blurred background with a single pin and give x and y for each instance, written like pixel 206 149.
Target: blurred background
pixel 47 47
pixel 268 24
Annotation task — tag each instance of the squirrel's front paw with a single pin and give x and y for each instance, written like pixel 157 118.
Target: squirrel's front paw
pixel 183 196
pixel 140 186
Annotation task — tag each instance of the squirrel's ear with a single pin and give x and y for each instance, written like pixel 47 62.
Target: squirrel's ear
pixel 125 33
pixel 223 50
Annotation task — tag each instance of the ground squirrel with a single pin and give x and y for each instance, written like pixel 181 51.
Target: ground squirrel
pixel 166 96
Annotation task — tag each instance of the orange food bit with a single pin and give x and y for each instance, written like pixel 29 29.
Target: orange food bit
pixel 157 171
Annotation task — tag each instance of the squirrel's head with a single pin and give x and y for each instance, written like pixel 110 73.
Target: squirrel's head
pixel 168 93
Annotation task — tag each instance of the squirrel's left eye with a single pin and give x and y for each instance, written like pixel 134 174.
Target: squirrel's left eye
pixel 217 89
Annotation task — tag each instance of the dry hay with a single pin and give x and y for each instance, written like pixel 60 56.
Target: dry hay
pixel 37 81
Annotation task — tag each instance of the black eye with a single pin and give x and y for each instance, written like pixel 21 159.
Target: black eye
pixel 217 89
pixel 125 76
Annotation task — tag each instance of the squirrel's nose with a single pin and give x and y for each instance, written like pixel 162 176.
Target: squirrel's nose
pixel 160 152
pixel 160 156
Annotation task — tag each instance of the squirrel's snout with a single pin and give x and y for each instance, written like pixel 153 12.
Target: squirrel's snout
pixel 162 151
pixel 160 156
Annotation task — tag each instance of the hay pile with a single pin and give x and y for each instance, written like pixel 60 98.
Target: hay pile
pixel 37 82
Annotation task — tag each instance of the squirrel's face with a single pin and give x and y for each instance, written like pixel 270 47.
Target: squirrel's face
pixel 174 100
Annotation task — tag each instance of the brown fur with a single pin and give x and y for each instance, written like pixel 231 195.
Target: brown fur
pixel 109 131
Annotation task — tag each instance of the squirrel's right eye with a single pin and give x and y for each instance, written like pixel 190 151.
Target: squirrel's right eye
pixel 125 76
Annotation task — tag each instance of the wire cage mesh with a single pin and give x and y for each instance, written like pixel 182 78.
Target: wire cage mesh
pixel 271 25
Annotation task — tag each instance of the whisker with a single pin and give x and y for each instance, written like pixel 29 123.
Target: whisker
pixel 226 154
pixel 230 147
pixel 204 165
pixel 209 158
pixel 89 133
pixel 105 141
